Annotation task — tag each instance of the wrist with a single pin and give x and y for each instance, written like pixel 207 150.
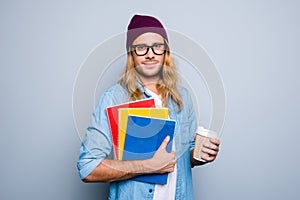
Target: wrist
pixel 146 169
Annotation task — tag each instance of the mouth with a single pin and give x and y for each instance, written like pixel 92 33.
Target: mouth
pixel 150 63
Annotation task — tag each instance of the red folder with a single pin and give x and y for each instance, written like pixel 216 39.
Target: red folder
pixel 113 117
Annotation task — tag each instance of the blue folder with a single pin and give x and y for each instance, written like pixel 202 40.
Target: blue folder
pixel 144 135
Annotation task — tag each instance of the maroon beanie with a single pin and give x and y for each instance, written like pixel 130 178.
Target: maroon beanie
pixel 140 24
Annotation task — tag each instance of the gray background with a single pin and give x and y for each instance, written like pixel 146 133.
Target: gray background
pixel 255 45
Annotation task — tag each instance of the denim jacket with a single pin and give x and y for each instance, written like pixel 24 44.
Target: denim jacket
pixel 97 146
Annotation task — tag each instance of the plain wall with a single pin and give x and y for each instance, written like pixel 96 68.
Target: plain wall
pixel 255 45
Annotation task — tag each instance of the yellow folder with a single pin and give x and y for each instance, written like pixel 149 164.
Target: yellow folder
pixel 161 113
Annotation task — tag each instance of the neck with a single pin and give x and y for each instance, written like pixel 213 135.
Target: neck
pixel 150 83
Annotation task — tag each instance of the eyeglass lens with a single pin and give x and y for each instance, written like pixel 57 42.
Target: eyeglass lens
pixel 142 49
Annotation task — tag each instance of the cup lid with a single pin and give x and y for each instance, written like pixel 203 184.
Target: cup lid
pixel 206 133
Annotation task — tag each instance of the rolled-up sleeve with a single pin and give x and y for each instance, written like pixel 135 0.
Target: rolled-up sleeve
pixel 97 144
pixel 192 120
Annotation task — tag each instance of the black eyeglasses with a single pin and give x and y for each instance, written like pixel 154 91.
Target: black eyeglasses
pixel 142 49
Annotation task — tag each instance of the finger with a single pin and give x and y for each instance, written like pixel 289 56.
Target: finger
pixel 208 158
pixel 168 170
pixel 211 146
pixel 215 141
pixel 173 162
pixel 171 168
pixel 164 143
pixel 209 151
pixel 173 154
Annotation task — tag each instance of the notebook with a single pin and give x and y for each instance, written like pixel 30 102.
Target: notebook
pixel 161 113
pixel 144 135
pixel 112 116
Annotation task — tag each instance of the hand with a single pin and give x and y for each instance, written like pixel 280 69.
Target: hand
pixel 162 161
pixel 211 148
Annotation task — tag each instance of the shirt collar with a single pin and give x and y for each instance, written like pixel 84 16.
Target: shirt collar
pixel 142 89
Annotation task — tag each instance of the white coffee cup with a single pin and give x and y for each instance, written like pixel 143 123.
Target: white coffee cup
pixel 202 136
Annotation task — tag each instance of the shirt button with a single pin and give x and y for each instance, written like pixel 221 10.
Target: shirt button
pixel 150 190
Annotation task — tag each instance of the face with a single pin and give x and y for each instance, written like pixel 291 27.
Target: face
pixel 148 66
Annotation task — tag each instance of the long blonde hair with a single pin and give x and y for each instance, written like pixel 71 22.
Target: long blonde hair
pixel 166 86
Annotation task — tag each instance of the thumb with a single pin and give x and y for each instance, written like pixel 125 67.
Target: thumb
pixel 164 143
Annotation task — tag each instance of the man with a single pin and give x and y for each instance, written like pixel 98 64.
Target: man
pixel 149 72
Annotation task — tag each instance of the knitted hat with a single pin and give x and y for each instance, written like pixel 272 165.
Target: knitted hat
pixel 140 24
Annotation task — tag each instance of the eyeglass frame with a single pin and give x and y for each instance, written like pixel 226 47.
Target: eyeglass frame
pixel 149 47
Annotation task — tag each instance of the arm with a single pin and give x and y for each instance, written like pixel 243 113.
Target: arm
pixel 93 164
pixel 211 149
pixel 115 170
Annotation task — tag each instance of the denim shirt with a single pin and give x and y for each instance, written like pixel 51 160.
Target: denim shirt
pixel 97 146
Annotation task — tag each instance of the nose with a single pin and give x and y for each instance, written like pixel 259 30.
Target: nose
pixel 150 54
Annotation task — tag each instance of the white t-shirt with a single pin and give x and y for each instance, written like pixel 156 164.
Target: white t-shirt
pixel 167 191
